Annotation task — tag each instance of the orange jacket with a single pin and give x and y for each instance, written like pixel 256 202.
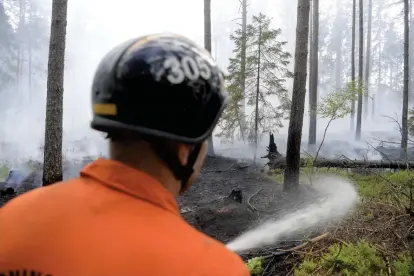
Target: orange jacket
pixel 112 220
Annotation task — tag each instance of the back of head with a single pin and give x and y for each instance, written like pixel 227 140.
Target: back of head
pixel 163 89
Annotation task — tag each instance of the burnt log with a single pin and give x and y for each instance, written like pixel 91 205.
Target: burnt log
pixel 236 195
pixel 335 163
pixel 272 152
pixel 7 191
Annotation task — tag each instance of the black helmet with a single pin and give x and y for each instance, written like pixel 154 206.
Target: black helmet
pixel 161 85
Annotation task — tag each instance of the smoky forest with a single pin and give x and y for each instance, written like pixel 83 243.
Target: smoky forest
pixel 308 171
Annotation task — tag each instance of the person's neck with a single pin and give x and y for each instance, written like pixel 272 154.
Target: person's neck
pixel 156 169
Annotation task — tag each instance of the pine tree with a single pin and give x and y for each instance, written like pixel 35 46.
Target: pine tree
pixel 266 74
pixel 52 168
pixel 291 176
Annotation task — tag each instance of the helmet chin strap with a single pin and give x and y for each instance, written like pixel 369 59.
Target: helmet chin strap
pixel 170 158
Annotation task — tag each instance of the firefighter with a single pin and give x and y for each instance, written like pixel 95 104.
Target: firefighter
pixel 157 98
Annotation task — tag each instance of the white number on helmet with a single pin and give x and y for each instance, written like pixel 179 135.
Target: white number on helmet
pixel 176 74
pixel 186 68
pixel 204 69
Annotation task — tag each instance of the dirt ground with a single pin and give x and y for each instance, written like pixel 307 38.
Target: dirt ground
pixel 211 207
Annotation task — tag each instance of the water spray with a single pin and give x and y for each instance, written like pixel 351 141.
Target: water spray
pixel 338 197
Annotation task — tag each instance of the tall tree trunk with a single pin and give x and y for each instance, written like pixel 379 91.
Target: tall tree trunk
pixel 243 71
pixel 291 176
pixel 338 48
pixel 411 49
pixel 20 55
pixel 353 62
pixel 30 54
pixel 368 59
pixel 207 45
pixel 338 69
pixel 376 96
pixel 313 93
pixel 256 119
pixel 360 70
pixel 52 171
pixel 310 49
pixel 404 124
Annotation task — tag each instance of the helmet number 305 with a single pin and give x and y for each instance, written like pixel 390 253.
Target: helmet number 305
pixel 188 67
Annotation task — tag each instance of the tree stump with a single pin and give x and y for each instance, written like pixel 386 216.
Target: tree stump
pixel 273 154
pixel 236 195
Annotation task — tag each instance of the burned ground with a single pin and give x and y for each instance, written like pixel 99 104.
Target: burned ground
pixel 210 205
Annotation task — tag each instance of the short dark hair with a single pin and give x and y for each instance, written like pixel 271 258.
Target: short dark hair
pixel 167 145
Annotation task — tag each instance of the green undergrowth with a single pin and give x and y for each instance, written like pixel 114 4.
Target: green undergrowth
pixel 396 188
pixel 390 188
pixel 360 259
pixel 255 265
pixel 4 171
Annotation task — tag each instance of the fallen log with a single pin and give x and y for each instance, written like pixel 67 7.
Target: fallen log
pixel 343 163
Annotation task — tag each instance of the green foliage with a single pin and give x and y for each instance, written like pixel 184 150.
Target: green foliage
pixel 308 168
pixel 277 175
pixel 266 73
pixel 361 259
pixel 255 265
pixel 307 267
pixel 404 265
pixel 4 172
pixel 337 104
pixel 392 188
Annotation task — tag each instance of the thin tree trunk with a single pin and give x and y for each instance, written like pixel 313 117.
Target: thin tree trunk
pixel 22 33
pixel 353 62
pixel 338 50
pixel 52 171
pixel 30 54
pixel 360 70
pixel 411 49
pixel 313 93
pixel 368 59
pixel 291 176
pixel 243 71
pixel 310 78
pixel 207 45
pixel 256 119
pixel 404 124
pixel 20 55
pixel 338 69
pixel 377 97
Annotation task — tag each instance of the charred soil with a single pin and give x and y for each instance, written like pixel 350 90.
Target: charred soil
pixel 230 196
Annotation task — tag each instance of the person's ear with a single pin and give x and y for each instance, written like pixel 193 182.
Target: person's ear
pixel 183 153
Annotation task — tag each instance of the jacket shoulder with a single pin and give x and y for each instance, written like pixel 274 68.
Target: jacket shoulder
pixel 32 199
